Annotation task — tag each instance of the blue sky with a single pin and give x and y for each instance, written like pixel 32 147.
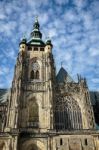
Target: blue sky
pixel 72 25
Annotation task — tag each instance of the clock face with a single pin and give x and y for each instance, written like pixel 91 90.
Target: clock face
pixel 35 66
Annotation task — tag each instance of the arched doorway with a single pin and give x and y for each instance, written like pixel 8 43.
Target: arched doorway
pixel 33 145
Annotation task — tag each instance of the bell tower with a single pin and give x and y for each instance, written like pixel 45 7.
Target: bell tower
pixel 32 87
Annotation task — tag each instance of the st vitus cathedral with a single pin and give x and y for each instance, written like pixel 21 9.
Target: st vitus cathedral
pixel 46 111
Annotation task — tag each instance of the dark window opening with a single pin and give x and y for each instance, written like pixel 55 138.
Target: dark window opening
pixel 37 74
pixel 61 142
pixel 86 143
pixel 35 48
pixel 29 48
pixel 42 49
pixel 36 34
pixel 32 74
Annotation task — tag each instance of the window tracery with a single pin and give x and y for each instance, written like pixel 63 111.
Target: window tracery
pixel 67 113
pixel 35 72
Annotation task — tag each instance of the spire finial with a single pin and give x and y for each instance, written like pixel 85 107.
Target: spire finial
pixel 61 64
pixel 24 36
pixel 36 19
pixel 36 29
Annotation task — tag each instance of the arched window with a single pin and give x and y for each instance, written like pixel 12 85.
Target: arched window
pixel 61 141
pixel 33 113
pixel 37 74
pixel 86 143
pixel 32 75
pixel 67 113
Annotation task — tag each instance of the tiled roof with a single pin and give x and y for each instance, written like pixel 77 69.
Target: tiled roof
pixel 63 76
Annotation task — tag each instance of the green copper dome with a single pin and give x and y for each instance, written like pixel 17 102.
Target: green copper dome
pixel 36 31
pixel 48 42
pixel 36 35
pixel 23 41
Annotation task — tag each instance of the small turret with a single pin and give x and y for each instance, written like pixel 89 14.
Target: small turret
pixel 23 44
pixel 49 46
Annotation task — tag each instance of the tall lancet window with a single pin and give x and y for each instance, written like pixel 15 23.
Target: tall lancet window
pixel 35 72
pixel 33 113
pixel 32 74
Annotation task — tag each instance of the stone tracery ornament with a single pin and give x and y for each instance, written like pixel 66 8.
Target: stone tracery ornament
pixel 35 66
pixel 67 113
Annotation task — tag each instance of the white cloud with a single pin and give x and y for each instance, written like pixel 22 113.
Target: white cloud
pixel 94 52
pixel 70 15
pixel 61 2
pixel 95 80
pixel 52 33
pixel 80 3
pixel 94 8
pixel 7 28
pixel 35 5
pixel 4 70
pixel 10 53
pixel 87 19
pixel 2 16
pixel 45 18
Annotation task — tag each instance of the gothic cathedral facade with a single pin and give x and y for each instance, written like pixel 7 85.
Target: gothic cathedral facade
pixel 46 111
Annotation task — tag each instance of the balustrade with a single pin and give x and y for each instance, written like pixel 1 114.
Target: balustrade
pixel 33 124
pixel 37 86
